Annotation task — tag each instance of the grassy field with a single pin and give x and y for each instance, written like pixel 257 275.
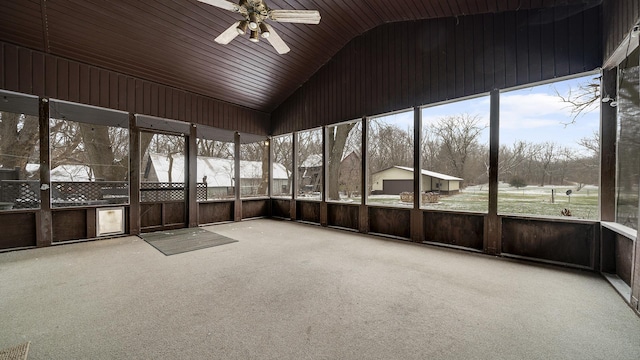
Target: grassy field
pixel 530 200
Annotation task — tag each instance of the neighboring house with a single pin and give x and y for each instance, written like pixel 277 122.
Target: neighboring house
pixel 75 173
pixel 310 174
pixel 216 172
pixel 397 179
pixel 350 169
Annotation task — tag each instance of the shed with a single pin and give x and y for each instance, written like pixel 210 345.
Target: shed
pixel 397 179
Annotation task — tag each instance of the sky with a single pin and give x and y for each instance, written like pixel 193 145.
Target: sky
pixel 534 114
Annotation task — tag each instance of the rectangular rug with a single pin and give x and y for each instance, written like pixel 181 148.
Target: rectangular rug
pixel 18 352
pixel 172 242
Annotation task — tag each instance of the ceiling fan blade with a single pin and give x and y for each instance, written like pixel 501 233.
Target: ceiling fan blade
pixel 295 16
pixel 228 34
pixel 276 41
pixel 223 4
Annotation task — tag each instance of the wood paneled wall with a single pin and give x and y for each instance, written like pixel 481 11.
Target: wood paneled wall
pixel 618 18
pixel 33 72
pixel 400 65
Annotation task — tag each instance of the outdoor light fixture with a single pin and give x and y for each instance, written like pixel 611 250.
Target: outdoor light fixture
pixel 635 31
pixel 264 31
pixel 253 21
pixel 242 27
pixel 608 99
pixel 254 36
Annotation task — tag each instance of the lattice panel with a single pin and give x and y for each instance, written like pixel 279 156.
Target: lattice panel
pixel 158 192
pixel 22 194
pixel 89 193
pixel 201 191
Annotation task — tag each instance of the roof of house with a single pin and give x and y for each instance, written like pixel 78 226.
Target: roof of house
pixel 219 172
pixel 313 160
pixel 71 173
pixel 427 173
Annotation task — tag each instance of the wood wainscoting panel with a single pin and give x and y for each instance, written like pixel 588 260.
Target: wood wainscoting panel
pixel 215 212
pixel 550 240
pixel 18 230
pixel 70 224
pixel 387 221
pixel 466 230
pixel 345 216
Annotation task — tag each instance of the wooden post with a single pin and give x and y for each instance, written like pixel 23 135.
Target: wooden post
pixel 135 160
pixel 192 178
pixel 236 182
pixel 635 264
pixel 269 143
pixel 635 272
pixel 293 212
pixel 44 232
pixel 417 232
pixel 363 210
pixel 492 224
pixel 608 134
pixel 323 185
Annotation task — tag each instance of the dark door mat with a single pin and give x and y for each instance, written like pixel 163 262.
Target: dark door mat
pixel 18 352
pixel 179 241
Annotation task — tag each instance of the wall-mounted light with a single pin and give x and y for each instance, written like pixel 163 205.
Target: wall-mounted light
pixel 608 99
pixel 635 31
pixel 264 30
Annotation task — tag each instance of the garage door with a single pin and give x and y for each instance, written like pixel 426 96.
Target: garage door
pixel 395 187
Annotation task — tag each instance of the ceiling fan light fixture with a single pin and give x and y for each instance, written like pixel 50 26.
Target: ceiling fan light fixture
pixel 253 21
pixel 254 37
pixel 264 31
pixel 242 27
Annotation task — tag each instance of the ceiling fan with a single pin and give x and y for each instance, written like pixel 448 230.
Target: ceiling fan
pixel 255 12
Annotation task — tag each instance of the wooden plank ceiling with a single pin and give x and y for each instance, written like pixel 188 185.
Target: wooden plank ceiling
pixel 171 41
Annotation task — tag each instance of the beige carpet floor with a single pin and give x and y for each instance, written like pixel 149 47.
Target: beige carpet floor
pixel 295 291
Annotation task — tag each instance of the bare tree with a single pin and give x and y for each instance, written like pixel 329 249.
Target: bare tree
pixel 389 145
pixel 545 159
pixel 101 149
pixel 216 149
pixel 283 154
pixel 458 136
pixel 581 99
pixel 515 160
pixel 18 139
pixel 336 144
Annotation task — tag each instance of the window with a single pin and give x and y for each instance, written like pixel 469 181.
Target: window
pixel 19 152
pixel 549 149
pixel 628 159
pixel 454 155
pixel 254 169
pixel 163 167
pixel 282 154
pixel 390 159
pixel 344 152
pixel 89 150
pixel 215 163
pixel 309 176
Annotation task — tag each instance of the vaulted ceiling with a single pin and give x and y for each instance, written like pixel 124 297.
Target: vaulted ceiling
pixel 171 41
